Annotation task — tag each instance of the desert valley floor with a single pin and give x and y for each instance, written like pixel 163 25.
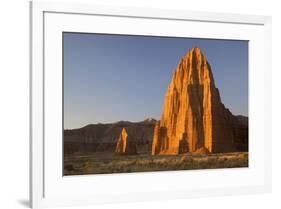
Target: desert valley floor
pixel 105 163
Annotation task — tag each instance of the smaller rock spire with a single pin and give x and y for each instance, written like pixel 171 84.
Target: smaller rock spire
pixel 125 144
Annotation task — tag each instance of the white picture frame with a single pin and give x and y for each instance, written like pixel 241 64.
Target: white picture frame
pixel 49 188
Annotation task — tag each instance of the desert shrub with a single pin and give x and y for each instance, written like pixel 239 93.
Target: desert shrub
pixel 106 163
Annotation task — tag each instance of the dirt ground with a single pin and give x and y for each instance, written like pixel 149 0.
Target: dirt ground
pixel 106 163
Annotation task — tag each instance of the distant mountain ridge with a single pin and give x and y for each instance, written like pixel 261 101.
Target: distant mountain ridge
pixel 103 137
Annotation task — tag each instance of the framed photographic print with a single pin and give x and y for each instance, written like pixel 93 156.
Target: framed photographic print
pixel 135 104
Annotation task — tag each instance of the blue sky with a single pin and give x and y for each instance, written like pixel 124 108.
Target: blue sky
pixel 108 78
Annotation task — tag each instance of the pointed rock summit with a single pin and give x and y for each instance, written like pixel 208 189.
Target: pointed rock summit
pixel 193 118
pixel 125 144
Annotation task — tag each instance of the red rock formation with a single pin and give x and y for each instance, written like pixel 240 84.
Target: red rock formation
pixel 201 150
pixel 193 115
pixel 125 144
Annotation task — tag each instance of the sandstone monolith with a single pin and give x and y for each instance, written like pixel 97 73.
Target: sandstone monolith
pixel 193 117
pixel 125 144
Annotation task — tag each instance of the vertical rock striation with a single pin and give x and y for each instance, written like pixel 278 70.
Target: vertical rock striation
pixel 193 116
pixel 125 145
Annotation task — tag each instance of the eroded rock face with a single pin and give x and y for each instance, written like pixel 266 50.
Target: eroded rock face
pixel 125 145
pixel 193 115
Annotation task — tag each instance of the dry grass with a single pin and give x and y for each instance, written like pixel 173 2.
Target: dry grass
pixel 104 163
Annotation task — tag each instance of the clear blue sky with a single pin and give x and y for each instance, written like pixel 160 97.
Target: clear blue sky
pixel 108 78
